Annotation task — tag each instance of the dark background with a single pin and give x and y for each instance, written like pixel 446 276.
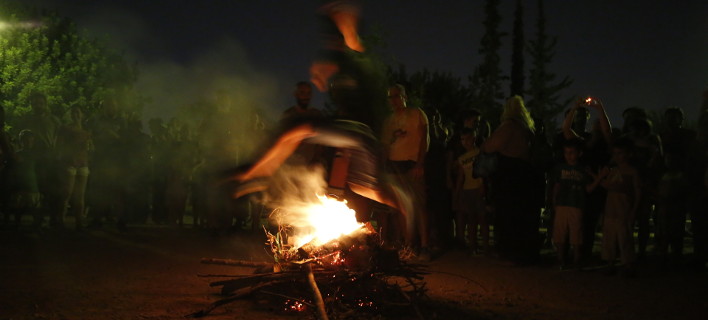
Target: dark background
pixel 651 54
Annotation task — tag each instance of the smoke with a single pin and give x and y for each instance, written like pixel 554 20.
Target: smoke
pixel 224 68
pixel 293 187
pixel 211 88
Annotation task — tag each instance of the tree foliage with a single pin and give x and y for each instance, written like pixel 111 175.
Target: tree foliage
pixel 431 90
pixel 544 89
pixel 517 53
pixel 486 81
pixel 45 53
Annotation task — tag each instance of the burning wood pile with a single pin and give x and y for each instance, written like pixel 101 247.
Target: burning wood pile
pixel 332 266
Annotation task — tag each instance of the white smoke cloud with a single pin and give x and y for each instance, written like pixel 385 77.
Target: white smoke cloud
pixel 224 67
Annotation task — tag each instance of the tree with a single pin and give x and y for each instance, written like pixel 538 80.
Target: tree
pixel 517 55
pixel 544 91
pixel 434 90
pixel 42 52
pixel 486 80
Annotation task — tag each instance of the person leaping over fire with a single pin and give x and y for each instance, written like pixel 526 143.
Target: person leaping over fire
pixel 365 175
pixel 357 89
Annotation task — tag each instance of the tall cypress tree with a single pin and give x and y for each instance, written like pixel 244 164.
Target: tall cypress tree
pixel 487 78
pixel 517 55
pixel 544 101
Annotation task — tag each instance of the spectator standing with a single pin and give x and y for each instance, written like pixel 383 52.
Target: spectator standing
pixel 571 184
pixel 7 155
pixel 301 111
pixel 137 169
pixel 160 157
pixel 439 195
pixel 596 155
pixel 543 162
pixel 106 192
pixel 469 197
pixel 647 158
pixel 516 222
pixel 24 182
pixel 623 196
pixel 73 145
pixel 307 153
pixel 406 138
pixel 671 208
pixel 45 126
pixel 178 169
pixel 698 193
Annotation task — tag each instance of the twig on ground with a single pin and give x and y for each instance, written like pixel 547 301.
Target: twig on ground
pixel 238 263
pixel 319 302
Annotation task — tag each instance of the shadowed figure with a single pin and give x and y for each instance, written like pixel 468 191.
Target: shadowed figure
pixel 73 144
pixel 45 126
pixel 7 155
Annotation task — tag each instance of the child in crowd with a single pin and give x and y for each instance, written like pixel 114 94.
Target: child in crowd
pixel 571 184
pixel 671 208
pixel 25 197
pixel 623 195
pixel 468 197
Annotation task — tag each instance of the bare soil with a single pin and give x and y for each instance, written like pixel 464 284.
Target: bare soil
pixel 153 272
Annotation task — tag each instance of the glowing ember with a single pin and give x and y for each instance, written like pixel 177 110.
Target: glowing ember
pixel 291 305
pixel 327 220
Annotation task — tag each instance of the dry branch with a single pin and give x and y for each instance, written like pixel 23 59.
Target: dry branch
pixel 316 293
pixel 238 263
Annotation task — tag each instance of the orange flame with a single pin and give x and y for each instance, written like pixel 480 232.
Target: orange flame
pixel 325 221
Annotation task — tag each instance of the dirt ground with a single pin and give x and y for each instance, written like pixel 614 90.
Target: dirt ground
pixel 152 272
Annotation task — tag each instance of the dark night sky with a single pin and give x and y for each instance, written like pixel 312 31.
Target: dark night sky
pixel 651 54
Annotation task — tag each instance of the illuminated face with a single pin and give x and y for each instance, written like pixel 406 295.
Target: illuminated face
pixel 303 95
pixel 396 98
pixel 468 141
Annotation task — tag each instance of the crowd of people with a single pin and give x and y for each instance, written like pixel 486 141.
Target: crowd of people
pixel 105 169
pixel 583 182
pixel 507 191
pixel 514 190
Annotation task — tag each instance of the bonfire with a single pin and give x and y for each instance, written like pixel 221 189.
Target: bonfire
pixel 326 263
